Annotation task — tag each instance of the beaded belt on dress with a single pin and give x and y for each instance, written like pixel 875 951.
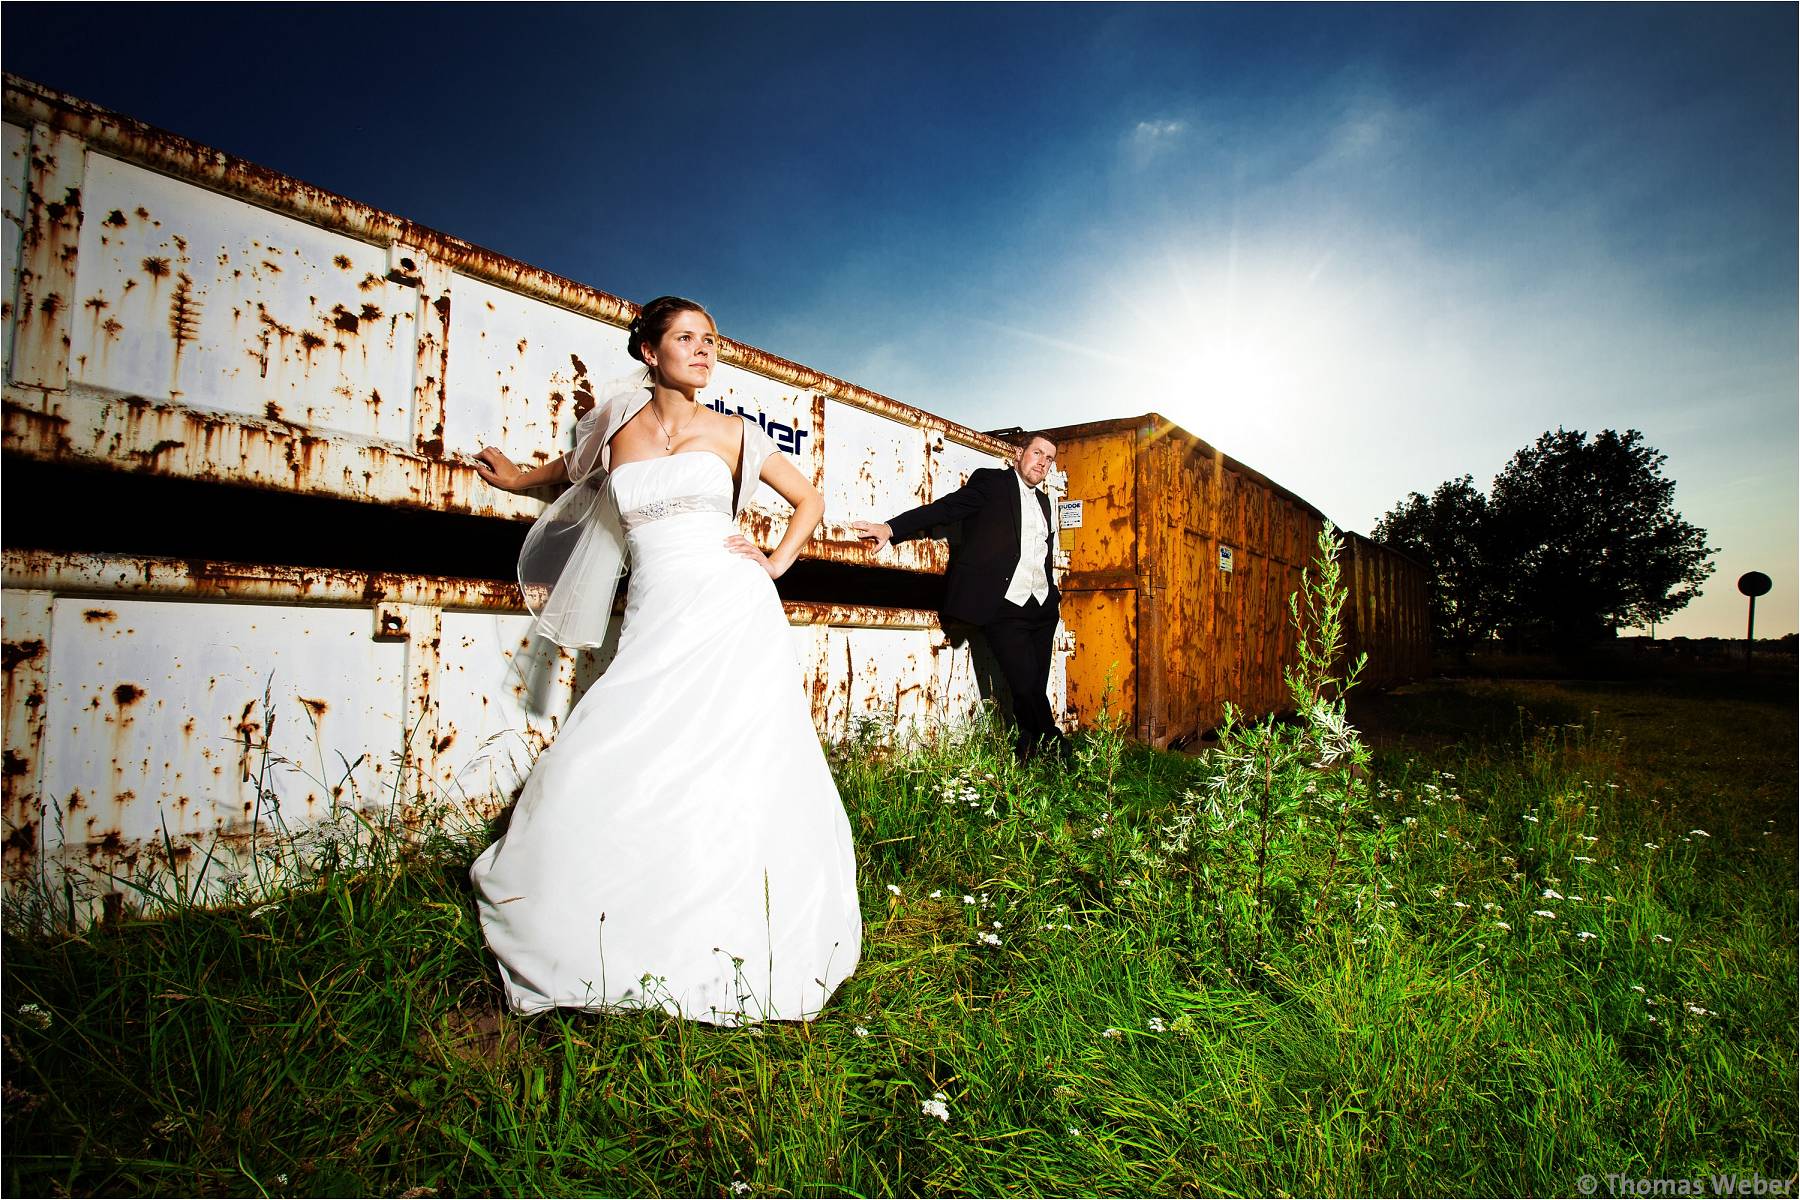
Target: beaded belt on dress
pixel 674 506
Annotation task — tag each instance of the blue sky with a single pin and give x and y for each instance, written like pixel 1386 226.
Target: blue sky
pixel 1362 248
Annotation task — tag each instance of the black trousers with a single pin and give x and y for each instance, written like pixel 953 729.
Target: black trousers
pixel 1021 637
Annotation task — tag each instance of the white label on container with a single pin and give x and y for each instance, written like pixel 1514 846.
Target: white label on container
pixel 1224 558
pixel 1068 514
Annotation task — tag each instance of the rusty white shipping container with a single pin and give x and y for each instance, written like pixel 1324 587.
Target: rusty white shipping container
pixel 253 584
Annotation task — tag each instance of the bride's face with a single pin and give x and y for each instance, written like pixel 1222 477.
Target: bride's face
pixel 687 353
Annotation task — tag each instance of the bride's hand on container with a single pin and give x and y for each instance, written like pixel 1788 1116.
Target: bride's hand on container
pixel 742 546
pixel 499 470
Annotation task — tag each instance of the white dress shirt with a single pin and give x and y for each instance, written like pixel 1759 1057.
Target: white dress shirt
pixel 1028 580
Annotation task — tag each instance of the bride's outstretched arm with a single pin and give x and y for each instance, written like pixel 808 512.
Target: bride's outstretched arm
pixel 508 476
pixel 809 509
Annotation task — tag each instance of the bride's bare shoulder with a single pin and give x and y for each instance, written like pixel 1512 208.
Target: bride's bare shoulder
pixel 721 425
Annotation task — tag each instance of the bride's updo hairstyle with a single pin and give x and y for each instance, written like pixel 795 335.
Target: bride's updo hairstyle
pixel 653 320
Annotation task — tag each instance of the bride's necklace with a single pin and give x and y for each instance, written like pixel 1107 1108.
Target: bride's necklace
pixel 669 438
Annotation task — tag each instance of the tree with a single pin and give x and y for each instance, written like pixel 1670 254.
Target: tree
pixel 1585 538
pixel 1576 539
pixel 1446 533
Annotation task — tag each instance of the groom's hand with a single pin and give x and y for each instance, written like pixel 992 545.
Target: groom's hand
pixel 873 531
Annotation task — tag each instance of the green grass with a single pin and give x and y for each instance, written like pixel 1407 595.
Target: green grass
pixel 351 1039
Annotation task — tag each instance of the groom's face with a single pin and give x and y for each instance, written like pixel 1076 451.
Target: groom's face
pixel 1035 459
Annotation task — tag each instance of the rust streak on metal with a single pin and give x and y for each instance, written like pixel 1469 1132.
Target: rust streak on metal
pixel 16 653
pixel 859 616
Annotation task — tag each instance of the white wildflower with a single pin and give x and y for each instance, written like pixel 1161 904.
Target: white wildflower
pixel 1457 904
pixel 1489 906
pixel 1700 1012
pixel 1584 936
pixel 1582 858
pixel 1532 819
pixel 1651 846
pixel 1543 912
pixel 1657 937
pixel 34 1015
pixel 992 939
pixel 937 895
pixel 1589 838
pixel 1638 988
pixel 282 1179
pixel 1409 821
pixel 739 1188
pixel 1110 1032
pixel 1157 1026
pixel 1502 925
pixel 860 1031
pixel 938 1106
pixel 1074 1130
pixel 894 888
pixel 968 899
pixel 1700 833
pixel 1551 894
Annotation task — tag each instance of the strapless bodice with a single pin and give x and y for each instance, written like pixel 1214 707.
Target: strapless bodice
pixel 689 473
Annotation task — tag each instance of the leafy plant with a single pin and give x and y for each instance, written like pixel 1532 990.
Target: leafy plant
pixel 1282 794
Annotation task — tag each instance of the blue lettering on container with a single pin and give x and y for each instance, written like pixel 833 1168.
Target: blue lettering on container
pixel 787 438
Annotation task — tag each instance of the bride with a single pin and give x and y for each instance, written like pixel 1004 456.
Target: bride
pixel 681 845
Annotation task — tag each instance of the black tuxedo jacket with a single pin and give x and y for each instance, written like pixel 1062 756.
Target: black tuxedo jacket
pixel 983 559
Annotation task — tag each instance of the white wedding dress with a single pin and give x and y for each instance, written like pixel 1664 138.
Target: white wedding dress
pixel 681 845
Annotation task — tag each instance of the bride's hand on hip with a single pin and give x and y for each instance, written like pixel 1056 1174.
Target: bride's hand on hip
pixel 743 547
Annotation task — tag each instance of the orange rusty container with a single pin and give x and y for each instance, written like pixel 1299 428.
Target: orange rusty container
pixel 1179 575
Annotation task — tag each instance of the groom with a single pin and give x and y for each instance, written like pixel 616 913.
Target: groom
pixel 1000 577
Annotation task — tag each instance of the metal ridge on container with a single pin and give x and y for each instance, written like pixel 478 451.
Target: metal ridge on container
pixel 210 579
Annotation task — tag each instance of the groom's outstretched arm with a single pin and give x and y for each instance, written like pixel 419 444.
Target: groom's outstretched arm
pixel 964 502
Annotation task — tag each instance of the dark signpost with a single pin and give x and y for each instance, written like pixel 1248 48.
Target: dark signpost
pixel 1752 584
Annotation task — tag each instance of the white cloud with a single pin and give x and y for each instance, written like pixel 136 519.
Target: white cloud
pixel 1152 138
